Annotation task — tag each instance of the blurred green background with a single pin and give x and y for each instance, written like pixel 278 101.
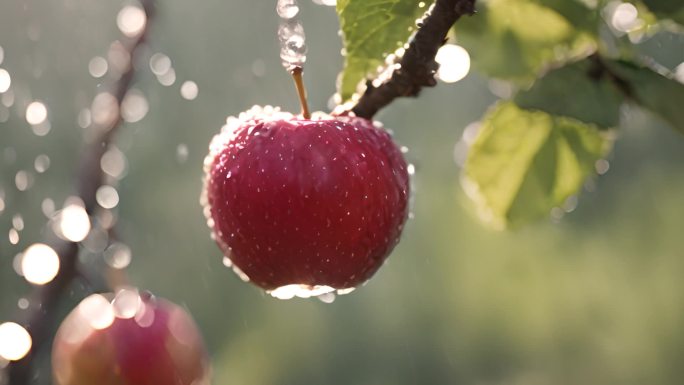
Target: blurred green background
pixel 595 298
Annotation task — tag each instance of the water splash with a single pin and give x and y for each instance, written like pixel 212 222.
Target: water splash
pixel 291 35
pixel 287 9
pixel 326 294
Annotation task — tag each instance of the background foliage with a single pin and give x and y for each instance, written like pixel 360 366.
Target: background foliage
pixel 594 298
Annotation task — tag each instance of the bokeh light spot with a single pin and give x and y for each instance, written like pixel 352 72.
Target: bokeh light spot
pixel 73 222
pixel 134 106
pixel 189 90
pixel 97 311
pixel 118 256
pixel 36 113
pixel 40 264
pixel 107 197
pixel 127 303
pixel 15 341
pixel 131 20
pixel 454 63
pixel 5 80
pixel 97 67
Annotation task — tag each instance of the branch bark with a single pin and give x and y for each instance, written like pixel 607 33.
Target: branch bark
pixel 41 318
pixel 418 66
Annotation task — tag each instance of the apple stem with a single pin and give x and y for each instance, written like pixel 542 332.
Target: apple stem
pixel 301 91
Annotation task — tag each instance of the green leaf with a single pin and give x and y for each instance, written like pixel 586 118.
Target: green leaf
pixel 664 6
pixel 576 12
pixel 524 163
pixel 373 29
pixel 517 39
pixel 574 91
pixel 667 9
pixel 659 93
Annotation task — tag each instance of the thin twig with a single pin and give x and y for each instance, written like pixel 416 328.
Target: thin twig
pixel 418 66
pixel 41 320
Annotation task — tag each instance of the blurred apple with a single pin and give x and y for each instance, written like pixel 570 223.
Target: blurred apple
pixel 130 338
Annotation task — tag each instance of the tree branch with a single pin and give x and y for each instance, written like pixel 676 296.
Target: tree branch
pixel 40 320
pixel 418 66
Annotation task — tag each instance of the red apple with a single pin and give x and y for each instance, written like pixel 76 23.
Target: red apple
pixel 305 206
pixel 135 339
